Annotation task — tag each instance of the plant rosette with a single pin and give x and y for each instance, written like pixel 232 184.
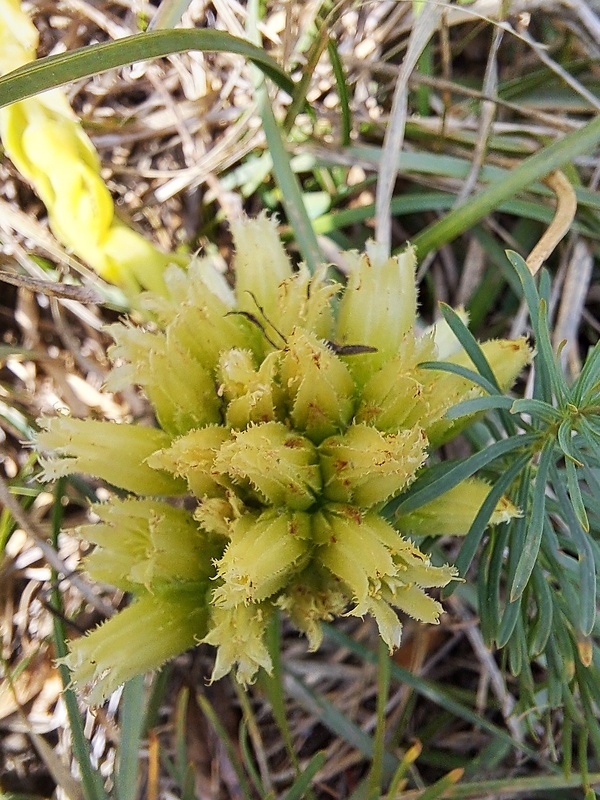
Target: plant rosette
pixel 289 411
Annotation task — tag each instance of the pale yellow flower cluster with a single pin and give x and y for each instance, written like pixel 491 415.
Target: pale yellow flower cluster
pixel 291 410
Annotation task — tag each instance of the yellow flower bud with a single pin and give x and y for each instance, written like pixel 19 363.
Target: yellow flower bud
pixel 252 394
pixel 414 566
pixel 147 542
pixel 413 601
pixel 296 429
pixel 442 390
pixel 116 453
pixel 264 550
pixel 390 627
pixel 319 386
pixel 205 330
pixel 446 343
pixel 47 144
pixel 364 467
pixel 193 457
pixel 217 514
pixel 393 397
pixel 351 550
pixel 239 634
pixel 453 513
pixel 280 465
pixel 179 387
pixel 261 264
pixel 378 308
pixel 18 36
pixel 306 301
pixel 312 597
pixel 155 628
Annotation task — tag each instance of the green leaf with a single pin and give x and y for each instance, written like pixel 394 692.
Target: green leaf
pixel 545 362
pixel 548 357
pixel 342 87
pixel 508 622
pixel 480 523
pixel 477 404
pixel 469 344
pixel 464 372
pixel 575 494
pixel 542 625
pixel 537 409
pixel 527 282
pixel 131 718
pixel 549 158
pixel 587 567
pixel 488 585
pixel 51 71
pixel 302 783
pixel 537 520
pixel 588 381
pixel 423 491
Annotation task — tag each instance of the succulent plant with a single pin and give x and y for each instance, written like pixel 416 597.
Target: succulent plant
pixel 290 409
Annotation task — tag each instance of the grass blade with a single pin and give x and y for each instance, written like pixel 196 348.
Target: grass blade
pixel 51 71
pixel 131 720
pixel 434 692
pixel 301 785
pixel 90 778
pixel 531 169
pixel 338 723
pixel 291 193
pixel 340 80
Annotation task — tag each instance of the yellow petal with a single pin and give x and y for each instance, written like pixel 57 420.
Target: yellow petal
pixel 350 549
pixel 192 457
pixel 149 543
pixel 306 301
pixel 413 601
pixel 318 384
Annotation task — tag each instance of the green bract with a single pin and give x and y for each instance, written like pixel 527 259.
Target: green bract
pixel 291 410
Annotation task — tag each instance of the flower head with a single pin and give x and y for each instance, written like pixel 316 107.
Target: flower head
pixel 292 412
